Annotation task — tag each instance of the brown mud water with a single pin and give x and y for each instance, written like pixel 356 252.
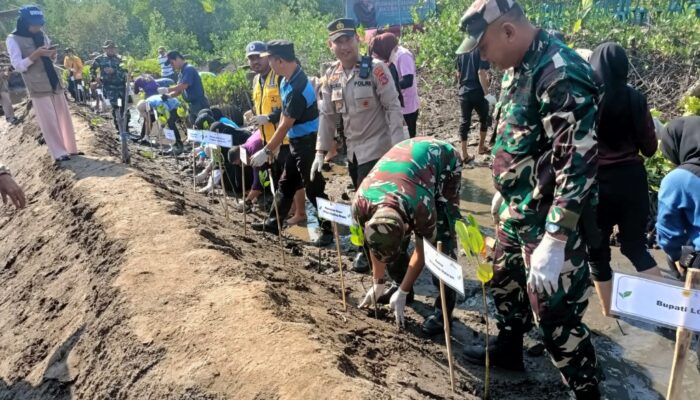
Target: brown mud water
pixel 119 282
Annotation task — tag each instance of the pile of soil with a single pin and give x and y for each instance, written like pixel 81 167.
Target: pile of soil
pixel 121 282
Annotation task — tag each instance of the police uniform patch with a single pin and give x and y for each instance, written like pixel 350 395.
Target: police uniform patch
pixel 381 76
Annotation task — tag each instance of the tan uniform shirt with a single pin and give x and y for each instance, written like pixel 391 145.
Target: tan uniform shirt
pixel 370 109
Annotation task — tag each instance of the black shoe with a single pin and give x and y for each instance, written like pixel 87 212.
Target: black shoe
pixel 592 393
pixel 269 226
pixel 386 296
pixel 433 325
pixel 324 240
pixel 506 352
pixel 360 264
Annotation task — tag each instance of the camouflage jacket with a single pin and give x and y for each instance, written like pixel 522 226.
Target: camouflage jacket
pixel 545 157
pixel 114 81
pixel 414 177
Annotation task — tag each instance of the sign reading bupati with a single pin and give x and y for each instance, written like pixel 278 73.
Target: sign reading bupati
pixel 209 137
pixel 337 212
pixel 656 301
pixel 387 12
pixel 445 268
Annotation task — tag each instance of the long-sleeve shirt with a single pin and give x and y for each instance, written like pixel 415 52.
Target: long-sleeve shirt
pixel 678 218
pixel 545 158
pixel 75 65
pixel 19 63
pixel 370 109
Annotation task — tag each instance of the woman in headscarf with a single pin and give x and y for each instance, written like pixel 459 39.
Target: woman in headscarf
pixel 678 219
pixel 625 129
pixel 32 55
pixel 402 65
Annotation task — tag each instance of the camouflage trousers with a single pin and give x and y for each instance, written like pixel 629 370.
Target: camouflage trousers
pixel 445 234
pixel 565 336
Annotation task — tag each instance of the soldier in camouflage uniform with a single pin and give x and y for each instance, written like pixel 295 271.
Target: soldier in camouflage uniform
pixel 112 77
pixel 544 170
pixel 414 187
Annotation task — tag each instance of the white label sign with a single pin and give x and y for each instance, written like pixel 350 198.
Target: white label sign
pixel 219 139
pixel 194 135
pixel 99 92
pixel 169 134
pixel 445 268
pixel 656 301
pixel 337 212
pixel 244 155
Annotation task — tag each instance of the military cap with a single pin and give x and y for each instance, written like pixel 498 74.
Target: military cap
pixel 478 17
pixel 280 48
pixel 384 233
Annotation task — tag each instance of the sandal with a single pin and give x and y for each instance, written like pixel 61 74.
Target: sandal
pixel 62 158
pixel 469 158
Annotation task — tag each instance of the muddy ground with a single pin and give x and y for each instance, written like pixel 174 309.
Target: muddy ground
pixel 120 282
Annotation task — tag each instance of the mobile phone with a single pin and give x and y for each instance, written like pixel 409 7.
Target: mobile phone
pixel 53 47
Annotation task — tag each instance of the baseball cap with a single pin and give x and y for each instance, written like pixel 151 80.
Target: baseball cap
pixel 109 45
pixel 255 48
pixel 478 17
pixel 32 14
pixel 173 55
pixel 280 48
pixel 341 27
pixel 384 233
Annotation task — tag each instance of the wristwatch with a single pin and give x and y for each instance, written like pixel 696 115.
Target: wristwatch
pixel 556 231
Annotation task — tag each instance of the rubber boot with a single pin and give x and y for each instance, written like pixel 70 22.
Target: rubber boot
pixel 604 290
pixel 360 264
pixel 505 352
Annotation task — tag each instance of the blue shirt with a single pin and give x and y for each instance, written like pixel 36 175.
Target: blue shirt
pixel 194 94
pixel 678 219
pixel 299 102
pixel 157 100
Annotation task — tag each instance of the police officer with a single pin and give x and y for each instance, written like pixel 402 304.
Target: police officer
pixel 361 92
pixel 112 77
pixel 544 168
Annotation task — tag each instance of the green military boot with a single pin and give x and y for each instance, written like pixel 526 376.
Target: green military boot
pixel 506 352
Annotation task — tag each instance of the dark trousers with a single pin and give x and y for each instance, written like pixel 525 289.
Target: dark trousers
pixel 295 176
pixel 194 108
pixel 358 172
pixel 624 201
pixel 473 100
pixel 412 123
pixel 117 111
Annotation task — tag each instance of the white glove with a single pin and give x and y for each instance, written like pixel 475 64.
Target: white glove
pixel 261 119
pixel 317 165
pixel 546 263
pixel 259 159
pixel 496 206
pixel 398 303
pixel 372 295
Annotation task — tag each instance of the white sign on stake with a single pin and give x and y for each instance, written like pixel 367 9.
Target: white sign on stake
pixel 219 139
pixel 336 212
pixel 194 135
pixel 169 134
pixel 445 268
pixel 244 155
pixel 656 301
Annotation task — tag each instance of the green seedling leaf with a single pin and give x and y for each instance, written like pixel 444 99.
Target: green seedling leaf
pixel 263 178
pixel 484 272
pixel 357 237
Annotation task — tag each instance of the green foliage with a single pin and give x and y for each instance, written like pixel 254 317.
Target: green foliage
pixel 657 167
pixel 228 88
pixel 148 66
pixel 690 105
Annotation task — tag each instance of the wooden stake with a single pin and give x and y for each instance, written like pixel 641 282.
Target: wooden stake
pixel 683 336
pixel 446 322
pixel 277 214
pixel 340 264
pixel 194 169
pixel 223 187
pixel 245 212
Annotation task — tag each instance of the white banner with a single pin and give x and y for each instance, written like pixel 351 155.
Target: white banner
pixel 169 134
pixel 194 135
pixel 663 302
pixel 337 212
pixel 244 155
pixel 443 267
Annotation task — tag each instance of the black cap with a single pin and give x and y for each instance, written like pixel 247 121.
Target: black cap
pixel 109 44
pixel 255 48
pixel 280 48
pixel 341 27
